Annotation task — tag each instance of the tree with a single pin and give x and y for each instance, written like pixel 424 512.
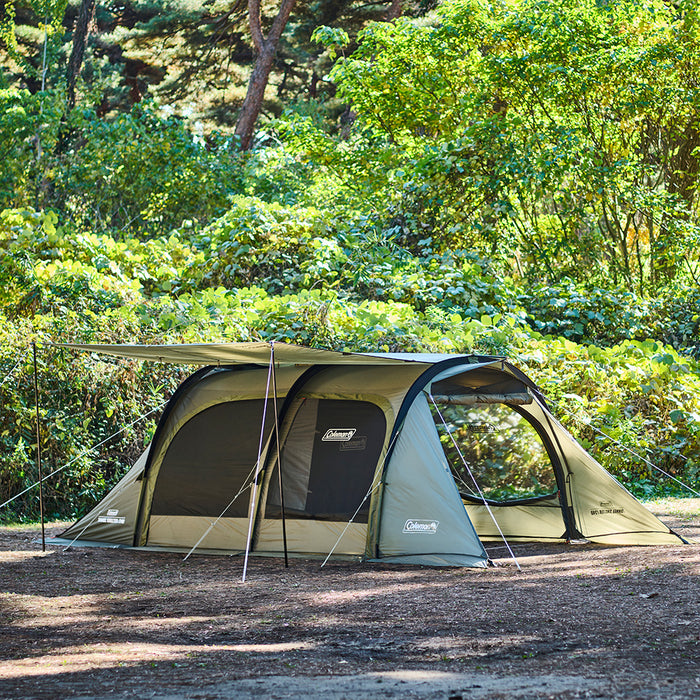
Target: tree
pixel 563 134
pixel 266 50
pixel 80 34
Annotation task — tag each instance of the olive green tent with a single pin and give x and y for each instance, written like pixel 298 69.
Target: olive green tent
pixel 393 457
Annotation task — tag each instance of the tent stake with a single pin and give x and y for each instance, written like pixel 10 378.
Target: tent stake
pixel 279 460
pixel 38 450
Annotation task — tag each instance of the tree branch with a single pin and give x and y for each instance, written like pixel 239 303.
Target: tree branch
pixel 280 21
pixel 255 24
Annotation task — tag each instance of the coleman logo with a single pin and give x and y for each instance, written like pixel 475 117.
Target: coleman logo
pixel 112 517
pixel 338 434
pixel 357 444
pixel 425 527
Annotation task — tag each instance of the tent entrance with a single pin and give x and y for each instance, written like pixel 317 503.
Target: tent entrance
pixel 329 456
pixel 209 461
pixel 512 466
pixel 504 452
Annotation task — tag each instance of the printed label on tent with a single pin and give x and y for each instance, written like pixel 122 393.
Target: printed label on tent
pixel 606 508
pixel 481 428
pixel 338 434
pixel 112 517
pixel 420 527
pixel 357 444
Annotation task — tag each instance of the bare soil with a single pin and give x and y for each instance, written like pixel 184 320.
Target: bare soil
pixel 575 621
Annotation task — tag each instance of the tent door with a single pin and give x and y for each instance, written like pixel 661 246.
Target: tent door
pixel 512 465
pixel 329 456
pixel 208 463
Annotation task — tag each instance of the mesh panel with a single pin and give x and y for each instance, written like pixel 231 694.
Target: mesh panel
pixel 504 452
pixel 329 460
pixel 209 459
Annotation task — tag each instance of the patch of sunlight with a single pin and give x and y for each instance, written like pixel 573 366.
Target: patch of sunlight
pixel 335 597
pixel 687 508
pixel 272 648
pixel 112 655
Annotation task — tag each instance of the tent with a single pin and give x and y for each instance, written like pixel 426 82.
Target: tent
pixel 393 457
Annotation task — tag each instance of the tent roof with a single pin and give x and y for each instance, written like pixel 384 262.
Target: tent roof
pixel 254 353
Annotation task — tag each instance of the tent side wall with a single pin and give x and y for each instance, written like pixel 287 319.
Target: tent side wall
pixel 423 520
pixel 602 509
pixel 605 511
pixel 113 519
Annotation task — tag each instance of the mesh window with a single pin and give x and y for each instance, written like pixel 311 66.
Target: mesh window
pixel 210 459
pixel 328 460
pixel 503 450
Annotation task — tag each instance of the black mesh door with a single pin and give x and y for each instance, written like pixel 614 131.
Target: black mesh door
pixel 329 459
pixel 210 459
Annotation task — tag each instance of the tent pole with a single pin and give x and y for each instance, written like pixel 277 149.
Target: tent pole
pixel 257 470
pixel 279 460
pixel 38 449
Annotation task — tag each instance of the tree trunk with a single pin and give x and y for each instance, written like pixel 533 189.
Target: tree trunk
pixel 395 11
pixel 682 178
pixel 254 97
pixel 266 50
pixel 75 62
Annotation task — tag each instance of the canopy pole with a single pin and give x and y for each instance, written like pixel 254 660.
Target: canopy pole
pixel 279 460
pixel 38 449
pixel 517 399
pixel 251 513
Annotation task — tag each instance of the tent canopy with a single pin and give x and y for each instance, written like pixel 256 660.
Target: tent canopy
pixel 251 353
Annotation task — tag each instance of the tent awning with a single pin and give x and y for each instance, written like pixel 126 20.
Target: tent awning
pixel 250 353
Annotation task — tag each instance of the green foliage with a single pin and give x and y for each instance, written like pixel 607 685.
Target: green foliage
pixel 560 135
pixel 588 314
pixel 83 401
pixel 7 28
pixel 139 172
pixel 515 179
pixel 49 16
pixel 643 395
pixel 331 39
pixel 142 172
pixel 29 127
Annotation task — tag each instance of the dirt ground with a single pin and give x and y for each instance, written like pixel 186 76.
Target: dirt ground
pixel 576 621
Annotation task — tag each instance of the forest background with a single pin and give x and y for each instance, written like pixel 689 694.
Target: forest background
pixel 514 177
